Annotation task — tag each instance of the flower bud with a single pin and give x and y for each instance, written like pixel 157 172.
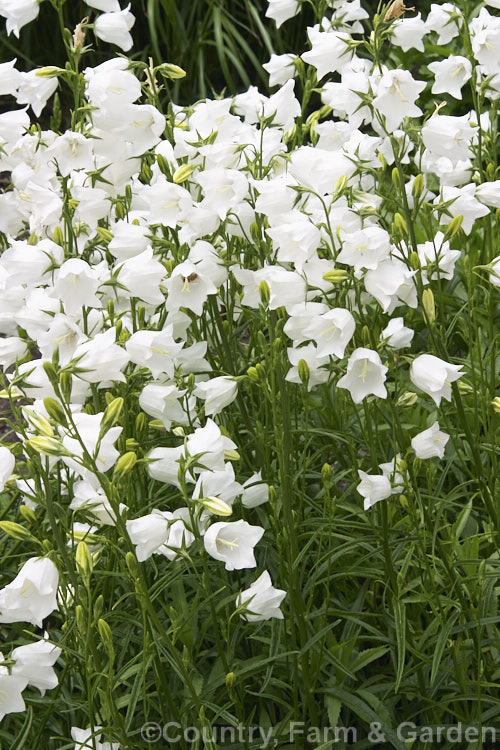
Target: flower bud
pixel 132 564
pixel 216 506
pixel 230 680
pixel 417 187
pixel 16 531
pixel 395 177
pixel 84 561
pixel 261 372
pixel 141 426
pixel 80 620
pixel 66 385
pixel 131 444
pixel 415 261
pixel 48 446
pixel 182 173
pixel 27 513
pixel 304 373
pixel 178 431
pixel 98 606
pixel 429 306
pixel 39 423
pixel 406 399
pixel 51 373
pixel 163 165
pixel 169 70
pixel 326 475
pixel 50 71
pixel 453 227
pixel 401 225
pixel 58 237
pixel 105 235
pixel 106 638
pixel 125 463
pixel 55 410
pixel 336 276
pixel 253 375
pixel 231 455
pixel 111 415
pixel 265 292
pixel 496 404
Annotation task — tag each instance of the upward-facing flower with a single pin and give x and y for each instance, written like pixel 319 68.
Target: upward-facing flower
pixel 365 375
pixel 396 94
pixel 233 543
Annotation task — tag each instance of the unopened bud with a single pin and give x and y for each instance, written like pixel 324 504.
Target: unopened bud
pixel 120 210
pixel 304 372
pixel 417 187
pixel 141 426
pixel 182 173
pixel 51 373
pixel 253 375
pixel 27 513
pixel 178 431
pixel 453 227
pixel 131 444
pixel 336 276
pixel 125 463
pixel 163 165
pixel 169 70
pixel 230 680
pixel 111 415
pixel 39 423
pixel 401 225
pixel 216 506
pixel 406 399
pixel 16 531
pixel 231 455
pixel 80 619
pixel 265 292
pixel 50 71
pixel 58 236
pixel 55 410
pixel 340 186
pixel 106 638
pixel 415 261
pixel 326 475
pixel 429 306
pixel 403 501
pixel 132 564
pixel 66 384
pixel 98 607
pixel 48 446
pixel 84 561
pixel 105 235
pixel 496 404
pixel 395 177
